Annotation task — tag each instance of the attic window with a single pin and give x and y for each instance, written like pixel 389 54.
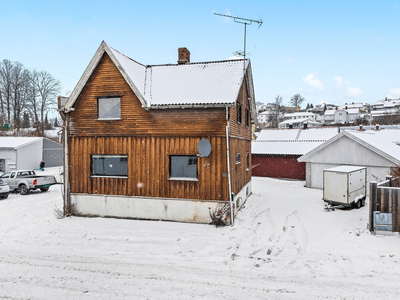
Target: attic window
pixel 109 108
pixel 239 113
pixel 247 116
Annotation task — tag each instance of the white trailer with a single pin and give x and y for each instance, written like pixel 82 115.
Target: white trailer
pixel 345 186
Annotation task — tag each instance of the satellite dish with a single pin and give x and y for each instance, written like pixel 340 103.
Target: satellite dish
pixel 204 147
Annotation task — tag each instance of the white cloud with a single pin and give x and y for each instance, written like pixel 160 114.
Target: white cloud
pixel 354 92
pixel 339 81
pixel 394 92
pixel 312 80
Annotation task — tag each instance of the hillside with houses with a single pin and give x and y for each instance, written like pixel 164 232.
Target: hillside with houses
pixel 385 112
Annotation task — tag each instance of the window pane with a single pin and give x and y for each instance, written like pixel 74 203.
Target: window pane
pixel 110 165
pixel 109 108
pixel 183 166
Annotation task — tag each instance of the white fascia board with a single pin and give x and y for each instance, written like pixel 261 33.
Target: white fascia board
pixel 250 88
pixel 327 143
pixel 306 156
pixel 88 72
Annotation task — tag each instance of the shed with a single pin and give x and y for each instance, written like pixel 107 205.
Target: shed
pixel 275 152
pixel 27 152
pixel 377 150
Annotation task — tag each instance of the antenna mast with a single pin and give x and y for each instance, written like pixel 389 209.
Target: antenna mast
pixel 245 22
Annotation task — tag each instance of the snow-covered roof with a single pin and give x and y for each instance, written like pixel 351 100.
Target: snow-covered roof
pixel 291 141
pixel 353 105
pixel 353 111
pixel 382 142
pixel 17 142
pixel 301 120
pixel 293 147
pixel 299 114
pixel 278 134
pixel 212 84
pixel 329 112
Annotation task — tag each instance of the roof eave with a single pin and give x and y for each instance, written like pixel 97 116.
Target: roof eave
pixel 195 105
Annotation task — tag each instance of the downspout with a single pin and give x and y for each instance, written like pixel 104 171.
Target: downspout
pixel 229 165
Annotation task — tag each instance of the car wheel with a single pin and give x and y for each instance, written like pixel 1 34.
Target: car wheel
pixel 23 190
pixel 5 197
pixel 45 189
pixel 358 204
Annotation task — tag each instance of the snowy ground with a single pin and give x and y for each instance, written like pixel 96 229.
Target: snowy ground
pixel 283 246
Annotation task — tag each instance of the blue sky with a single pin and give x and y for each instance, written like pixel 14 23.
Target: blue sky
pixel 333 51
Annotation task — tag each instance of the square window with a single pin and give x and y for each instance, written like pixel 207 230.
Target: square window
pixel 183 166
pixel 109 108
pixel 237 158
pixel 110 165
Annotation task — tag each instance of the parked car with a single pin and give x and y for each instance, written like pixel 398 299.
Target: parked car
pixel 4 189
pixel 26 180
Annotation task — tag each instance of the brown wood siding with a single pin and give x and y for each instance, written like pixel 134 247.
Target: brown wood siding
pixel 240 175
pixel 148 167
pixel 107 81
pixel 236 129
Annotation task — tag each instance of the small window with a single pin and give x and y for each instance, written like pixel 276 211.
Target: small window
pixel 110 165
pixel 239 113
pixel 247 118
pixel 183 166
pixel 237 158
pixel 247 161
pixel 109 108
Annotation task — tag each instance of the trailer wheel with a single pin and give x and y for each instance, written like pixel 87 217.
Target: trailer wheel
pixel 23 190
pixel 363 202
pixel 358 204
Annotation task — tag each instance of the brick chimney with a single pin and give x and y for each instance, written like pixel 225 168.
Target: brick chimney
pixel 183 56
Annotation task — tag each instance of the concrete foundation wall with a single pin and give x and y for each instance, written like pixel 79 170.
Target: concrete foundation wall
pixel 181 210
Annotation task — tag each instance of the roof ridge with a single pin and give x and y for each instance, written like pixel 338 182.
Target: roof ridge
pixel 198 63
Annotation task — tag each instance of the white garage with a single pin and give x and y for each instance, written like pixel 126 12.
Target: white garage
pixel 378 151
pixel 28 152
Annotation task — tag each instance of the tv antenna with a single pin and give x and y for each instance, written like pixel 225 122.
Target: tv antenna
pixel 245 22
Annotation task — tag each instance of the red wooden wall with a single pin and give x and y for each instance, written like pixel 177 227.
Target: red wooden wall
pixel 278 166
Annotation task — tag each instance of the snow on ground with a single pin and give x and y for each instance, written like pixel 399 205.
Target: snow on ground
pixel 283 246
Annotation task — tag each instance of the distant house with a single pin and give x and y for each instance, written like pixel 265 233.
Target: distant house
pixel 28 152
pixel 275 152
pixel 299 123
pixel 164 142
pixel 377 150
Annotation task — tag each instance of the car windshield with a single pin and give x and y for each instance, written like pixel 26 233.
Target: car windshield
pixel 5 175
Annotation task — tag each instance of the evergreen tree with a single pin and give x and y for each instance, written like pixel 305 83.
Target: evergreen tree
pixel 311 105
pixel 26 122
pixel 308 106
pixel 56 122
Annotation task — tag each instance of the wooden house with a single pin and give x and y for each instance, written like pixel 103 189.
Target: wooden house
pixel 133 132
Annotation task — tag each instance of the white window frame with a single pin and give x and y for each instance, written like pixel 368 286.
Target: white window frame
pixel 101 102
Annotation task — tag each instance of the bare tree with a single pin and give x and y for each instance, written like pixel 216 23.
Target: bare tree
pixel 44 89
pixel 296 100
pixel 19 87
pixel 276 115
pixel 6 67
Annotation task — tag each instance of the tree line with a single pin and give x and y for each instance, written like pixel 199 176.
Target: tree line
pixel 26 94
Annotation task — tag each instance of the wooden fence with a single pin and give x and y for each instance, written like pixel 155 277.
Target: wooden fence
pixel 385 198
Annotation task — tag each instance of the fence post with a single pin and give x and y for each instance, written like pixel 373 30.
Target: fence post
pixel 373 185
pixel 389 177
